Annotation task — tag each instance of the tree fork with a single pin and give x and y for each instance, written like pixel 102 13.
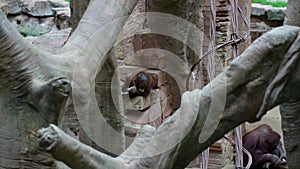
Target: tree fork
pixel 247 77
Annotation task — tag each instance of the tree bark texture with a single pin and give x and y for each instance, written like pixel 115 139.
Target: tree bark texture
pixel 111 108
pixel 35 85
pixel 187 10
pixel 77 10
pixel 261 72
pixel 291 131
pixel 289 110
pixel 292 13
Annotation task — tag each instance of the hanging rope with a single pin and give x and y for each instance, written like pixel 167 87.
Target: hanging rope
pixel 250 160
pixel 235 54
pixel 234 41
pixel 205 157
pixel 211 66
pixel 230 42
pixel 211 58
pixel 234 27
pixel 238 147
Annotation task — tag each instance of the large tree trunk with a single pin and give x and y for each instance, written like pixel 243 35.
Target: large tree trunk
pixel 187 10
pixel 32 88
pixel 77 10
pixel 261 72
pixel 290 110
pixel 26 102
pixel 108 97
pixel 292 13
pixel 291 131
pixel 35 84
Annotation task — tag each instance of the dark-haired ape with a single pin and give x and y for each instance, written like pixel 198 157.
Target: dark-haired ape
pixel 265 147
pixel 142 83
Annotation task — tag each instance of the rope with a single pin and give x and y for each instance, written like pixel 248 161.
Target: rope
pixel 234 27
pixel 205 157
pixel 211 58
pixel 235 54
pixel 238 147
pixel 230 42
pixel 211 67
pixel 234 41
pixel 244 150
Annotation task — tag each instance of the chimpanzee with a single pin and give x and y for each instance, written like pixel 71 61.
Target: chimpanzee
pixel 142 83
pixel 265 147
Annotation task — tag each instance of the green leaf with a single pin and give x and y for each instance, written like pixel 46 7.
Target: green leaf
pixel 274 4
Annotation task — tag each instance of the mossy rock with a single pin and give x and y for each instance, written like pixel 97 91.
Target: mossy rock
pixel 36 30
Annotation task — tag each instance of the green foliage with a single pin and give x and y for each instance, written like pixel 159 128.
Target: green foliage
pixel 67 0
pixel 274 4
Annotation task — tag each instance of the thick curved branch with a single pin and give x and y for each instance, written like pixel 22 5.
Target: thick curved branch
pixel 18 58
pixel 21 63
pixel 24 72
pixel 88 50
pixel 31 97
pixel 290 108
pixel 98 14
pixel 95 35
pixel 97 30
pixel 33 86
pixel 200 121
pixel 54 140
pixel 290 119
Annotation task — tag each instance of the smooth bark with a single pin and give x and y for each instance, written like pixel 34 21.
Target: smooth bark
pixel 261 72
pixel 291 131
pixel 290 109
pixel 35 85
pixel 292 13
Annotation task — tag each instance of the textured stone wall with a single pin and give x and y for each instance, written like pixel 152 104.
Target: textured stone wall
pixel 38 17
pixel 142 50
pixel 223 58
pixel 264 17
pixel 223 31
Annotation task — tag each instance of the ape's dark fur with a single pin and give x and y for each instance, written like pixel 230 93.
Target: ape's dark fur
pixel 142 83
pixel 265 147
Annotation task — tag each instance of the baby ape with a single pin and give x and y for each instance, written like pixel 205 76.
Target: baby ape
pixel 142 83
pixel 265 147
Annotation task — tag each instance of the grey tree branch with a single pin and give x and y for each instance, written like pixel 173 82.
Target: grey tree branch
pixel 28 99
pixel 31 97
pixel 200 120
pixel 290 108
pixel 54 140
pixel 98 14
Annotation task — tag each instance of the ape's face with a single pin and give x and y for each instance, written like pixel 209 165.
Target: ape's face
pixel 269 142
pixel 142 82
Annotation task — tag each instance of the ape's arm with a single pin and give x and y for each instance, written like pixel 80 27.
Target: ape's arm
pixel 280 151
pixel 262 159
